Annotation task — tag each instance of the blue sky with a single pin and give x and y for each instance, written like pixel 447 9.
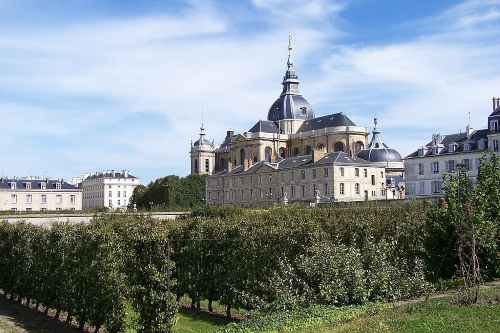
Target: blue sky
pixel 98 85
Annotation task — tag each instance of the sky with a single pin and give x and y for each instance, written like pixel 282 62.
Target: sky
pixel 91 85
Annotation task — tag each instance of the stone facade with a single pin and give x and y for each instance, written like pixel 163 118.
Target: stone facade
pixel 108 189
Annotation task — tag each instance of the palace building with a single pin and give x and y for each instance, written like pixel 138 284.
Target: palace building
pixel 294 156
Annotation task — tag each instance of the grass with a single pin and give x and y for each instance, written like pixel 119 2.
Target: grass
pixel 437 315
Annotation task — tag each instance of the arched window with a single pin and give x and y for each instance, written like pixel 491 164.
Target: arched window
pixel 242 155
pixel 321 146
pixel 338 146
pixel 196 165
pixel 222 163
pixel 267 153
pixel 308 150
pixel 295 152
pixel 282 152
pixel 358 146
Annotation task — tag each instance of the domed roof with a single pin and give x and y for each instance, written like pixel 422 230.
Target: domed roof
pixel 290 104
pixel 378 151
pixel 202 142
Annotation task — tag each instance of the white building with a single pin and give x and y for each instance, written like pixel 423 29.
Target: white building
pixel 424 168
pixel 32 194
pixel 108 189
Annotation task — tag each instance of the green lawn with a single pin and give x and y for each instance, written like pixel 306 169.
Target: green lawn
pixel 190 322
pixel 438 315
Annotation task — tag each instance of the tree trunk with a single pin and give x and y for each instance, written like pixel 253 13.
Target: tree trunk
pixel 228 311
pixel 58 312
pixel 46 310
pixel 192 303
pixel 198 305
pixel 37 306
pixel 210 308
pixel 178 298
pixel 68 319
pixel 28 301
pixel 81 326
pixel 97 329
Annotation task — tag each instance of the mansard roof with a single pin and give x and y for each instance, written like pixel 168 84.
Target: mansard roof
pixel 332 120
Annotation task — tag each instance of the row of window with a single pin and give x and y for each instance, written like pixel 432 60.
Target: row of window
pixel 27 185
pixel 43 198
pixel 268 194
pixel 43 209
pixel 450 165
pixel 436 187
pixel 303 176
pixel 453 147
pixel 207 165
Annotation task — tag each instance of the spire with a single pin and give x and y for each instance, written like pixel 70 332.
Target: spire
pixel 290 80
pixel 376 138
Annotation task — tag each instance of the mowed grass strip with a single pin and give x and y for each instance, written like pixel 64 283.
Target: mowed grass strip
pixel 436 315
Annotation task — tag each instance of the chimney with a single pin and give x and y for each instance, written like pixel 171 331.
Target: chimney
pixel 468 130
pixel 229 165
pixel 272 159
pixel 229 134
pixel 245 164
pixel 250 162
pixel 496 102
pixel 317 154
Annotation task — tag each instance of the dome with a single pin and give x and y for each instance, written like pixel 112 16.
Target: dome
pixel 202 142
pixel 290 104
pixel 378 151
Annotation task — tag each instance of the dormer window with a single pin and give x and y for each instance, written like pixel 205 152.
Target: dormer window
pixel 13 185
pixel 467 146
pixel 421 152
pixel 58 186
pixel 494 126
pixel 435 150
pixel 43 186
pixel 481 144
pixel 27 186
pixel 304 110
pixel 452 147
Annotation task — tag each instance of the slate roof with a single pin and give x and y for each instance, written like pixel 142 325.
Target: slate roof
pixel 109 174
pixel 459 139
pixel 332 120
pixel 290 163
pixel 264 126
pixel 36 184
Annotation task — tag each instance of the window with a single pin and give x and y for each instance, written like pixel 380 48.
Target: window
pixel 467 163
pixel 242 180
pixel 421 152
pixel 481 145
pixel 58 186
pixel 242 194
pixel 420 168
pixel 110 203
pixel 28 186
pixel 282 191
pixel 234 181
pixel 422 188
pixel 436 187
pixel 365 171
pixel 451 165
pixel 58 198
pixel 314 173
pixel 356 188
pixel 260 179
pixel 13 185
pixel 495 145
pixel 292 175
pixel 207 165
pixel 303 191
pixel 227 181
pixel 44 209
pixel 327 189
pixel 282 176
pixel 303 174
pixel 118 194
pixel 494 126
pixel 43 186
pixel 119 202
pixel 341 171
pixel 43 198
pixel 270 177
pixel 381 174
pixel 325 172
pixel 227 195
pixel 315 188
pixel 29 198
pixel 341 188
pixel 235 195
pixel 356 172
pixel 109 186
pixel 110 194
pixel 195 167
pixel 13 198
pixel 251 193
pixel 435 167
pixel 261 193
pixel 14 209
pixel 292 189
pixel 466 146
pixel 373 179
pixel 251 179
pixel 72 198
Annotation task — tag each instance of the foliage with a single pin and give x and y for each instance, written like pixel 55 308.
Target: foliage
pixel 285 321
pixel 170 192
pixel 463 231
